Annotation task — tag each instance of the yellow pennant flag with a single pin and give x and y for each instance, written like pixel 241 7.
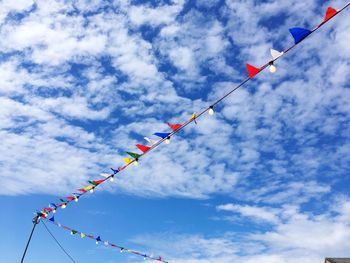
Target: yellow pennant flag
pixel 127 160
pixel 89 187
pixel 82 235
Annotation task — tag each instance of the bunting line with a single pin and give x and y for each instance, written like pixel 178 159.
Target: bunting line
pixel 298 34
pixel 98 240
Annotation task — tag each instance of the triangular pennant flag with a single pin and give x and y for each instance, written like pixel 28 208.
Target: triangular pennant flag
pixel 134 155
pixel 143 148
pixel 194 116
pixel 252 71
pixel 89 187
pixel 97 182
pixel 82 235
pixel 106 174
pixel 275 54
pixel 98 239
pixel 127 160
pixel 92 182
pixel 73 232
pixel 159 259
pixel 162 135
pixel 52 219
pixel 175 126
pixel 39 214
pixel 82 190
pixel 329 14
pixel 71 198
pixel 54 205
pixel 299 33
pixel 48 209
pixel 151 141
pixel 62 200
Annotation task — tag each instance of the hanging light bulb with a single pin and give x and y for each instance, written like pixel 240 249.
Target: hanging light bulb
pixel 71 232
pixel 211 110
pixel 91 190
pixel 111 179
pixel 54 211
pixel 96 242
pixel 63 206
pixel 167 140
pixel 135 162
pixel 272 67
pixel 121 250
pixel 76 199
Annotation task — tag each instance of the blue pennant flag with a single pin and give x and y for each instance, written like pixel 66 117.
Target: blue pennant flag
pixel 52 219
pixel 53 205
pixel 114 171
pixel 98 238
pixel 299 33
pixel 162 135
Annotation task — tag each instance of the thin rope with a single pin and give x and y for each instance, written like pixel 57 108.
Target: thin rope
pixel 58 243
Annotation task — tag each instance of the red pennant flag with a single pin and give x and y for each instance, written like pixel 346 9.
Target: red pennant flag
pixel 82 190
pixel 48 209
pixel 329 14
pixel 143 148
pixel 97 182
pixel 252 71
pixel 174 127
pixel 71 198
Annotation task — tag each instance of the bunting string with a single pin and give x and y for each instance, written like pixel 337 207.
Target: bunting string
pixel 298 34
pixel 99 240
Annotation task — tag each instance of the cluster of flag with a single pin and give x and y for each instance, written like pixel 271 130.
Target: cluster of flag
pixel 99 240
pixel 132 158
pixel 298 34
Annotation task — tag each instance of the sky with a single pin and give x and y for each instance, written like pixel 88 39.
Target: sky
pixel 265 179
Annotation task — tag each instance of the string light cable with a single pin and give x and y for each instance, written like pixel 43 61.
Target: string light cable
pixel 209 109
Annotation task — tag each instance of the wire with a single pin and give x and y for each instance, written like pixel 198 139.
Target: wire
pixel 58 243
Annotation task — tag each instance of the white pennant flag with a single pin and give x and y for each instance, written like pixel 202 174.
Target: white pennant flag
pixel 275 54
pixel 152 142
pixel 105 174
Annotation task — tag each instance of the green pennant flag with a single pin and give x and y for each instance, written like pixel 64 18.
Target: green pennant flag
pixel 135 155
pixel 62 200
pixel 73 232
pixel 93 183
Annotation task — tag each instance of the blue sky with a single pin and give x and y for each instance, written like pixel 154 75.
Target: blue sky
pixel 263 180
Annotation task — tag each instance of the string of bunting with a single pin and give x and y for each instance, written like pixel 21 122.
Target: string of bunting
pixel 99 240
pixel 298 34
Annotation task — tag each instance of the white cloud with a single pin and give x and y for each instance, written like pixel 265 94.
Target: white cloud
pixel 258 213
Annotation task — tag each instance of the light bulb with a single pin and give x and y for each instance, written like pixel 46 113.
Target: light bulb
pixel 167 141
pixel 76 199
pixel 136 163
pixel 211 111
pixel 63 206
pixel 54 211
pixel 272 68
pixel 111 179
pixel 96 242
pixel 71 233
pixel 91 190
